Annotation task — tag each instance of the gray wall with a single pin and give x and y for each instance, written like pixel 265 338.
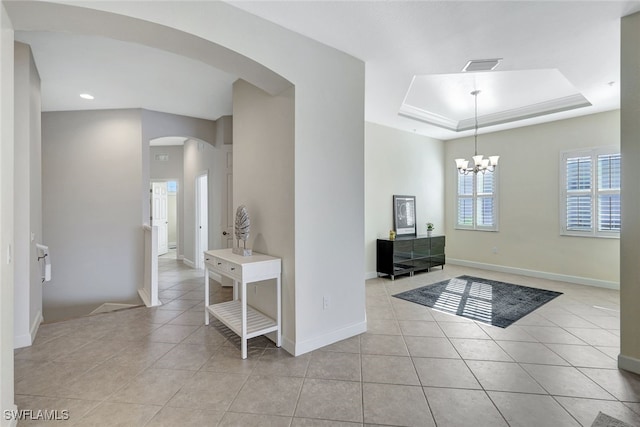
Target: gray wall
pixel 264 183
pixel 203 157
pixel 92 186
pixel 28 207
pixel 630 234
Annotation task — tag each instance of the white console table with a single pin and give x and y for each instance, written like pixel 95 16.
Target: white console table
pixel 237 315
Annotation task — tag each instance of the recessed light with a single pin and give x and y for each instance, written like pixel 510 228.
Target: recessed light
pixel 86 96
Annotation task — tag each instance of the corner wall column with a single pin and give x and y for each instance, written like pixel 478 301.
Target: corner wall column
pixel 629 358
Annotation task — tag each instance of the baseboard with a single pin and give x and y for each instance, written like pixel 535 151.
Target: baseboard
pixel 13 422
pixel 288 346
pixel 628 363
pixel 215 276
pixel 370 275
pixel 535 273
pixel 180 257
pixel 146 299
pixel 20 341
pixel 188 262
pixel 326 339
pixel 25 340
pixel 33 331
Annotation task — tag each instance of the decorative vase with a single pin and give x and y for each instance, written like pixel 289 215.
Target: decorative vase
pixel 429 232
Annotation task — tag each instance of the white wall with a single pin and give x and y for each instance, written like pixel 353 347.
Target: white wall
pixel 28 207
pixel 92 186
pixel 6 215
pixel 403 163
pixel 263 182
pixel 629 358
pixel 529 239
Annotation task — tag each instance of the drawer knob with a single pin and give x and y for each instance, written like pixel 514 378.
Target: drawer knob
pixel 219 263
pixel 233 268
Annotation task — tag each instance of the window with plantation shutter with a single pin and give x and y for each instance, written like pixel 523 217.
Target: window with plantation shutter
pixel 476 202
pixel 590 192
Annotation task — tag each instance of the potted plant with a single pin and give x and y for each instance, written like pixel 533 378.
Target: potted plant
pixel 430 228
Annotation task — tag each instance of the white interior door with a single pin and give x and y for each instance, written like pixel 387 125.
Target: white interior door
pixel 202 219
pixel 159 215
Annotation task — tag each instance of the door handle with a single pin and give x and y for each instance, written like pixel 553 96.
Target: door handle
pixel 224 233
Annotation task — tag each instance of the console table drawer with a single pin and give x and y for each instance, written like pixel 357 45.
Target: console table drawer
pixel 224 267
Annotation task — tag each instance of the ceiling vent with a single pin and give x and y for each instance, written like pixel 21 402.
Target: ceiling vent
pixel 481 65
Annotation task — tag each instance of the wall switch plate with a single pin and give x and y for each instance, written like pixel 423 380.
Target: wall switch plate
pixel 325 303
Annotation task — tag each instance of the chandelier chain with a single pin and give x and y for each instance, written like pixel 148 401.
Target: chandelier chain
pixel 475 134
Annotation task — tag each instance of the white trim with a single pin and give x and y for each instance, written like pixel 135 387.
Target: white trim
pixel 288 346
pixel 13 422
pixel 370 275
pixel 425 116
pixel 215 276
pixel 188 262
pixel 326 339
pixel 539 274
pixel 180 257
pixel 198 219
pixel 25 340
pixel 593 192
pixel 33 331
pixel 146 299
pixel 628 363
pixel 495 195
pixel 528 111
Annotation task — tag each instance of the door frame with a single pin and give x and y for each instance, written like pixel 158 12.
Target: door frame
pixel 199 260
pixel 179 203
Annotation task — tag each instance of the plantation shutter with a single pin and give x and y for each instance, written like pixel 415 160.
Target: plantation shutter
pixel 609 176
pixel 579 199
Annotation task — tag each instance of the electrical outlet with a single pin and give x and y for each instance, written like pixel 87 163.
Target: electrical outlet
pixel 325 303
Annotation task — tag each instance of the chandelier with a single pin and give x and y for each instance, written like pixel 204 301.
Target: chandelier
pixel 480 164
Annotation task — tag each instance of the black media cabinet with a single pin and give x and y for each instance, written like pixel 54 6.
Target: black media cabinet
pixel 406 255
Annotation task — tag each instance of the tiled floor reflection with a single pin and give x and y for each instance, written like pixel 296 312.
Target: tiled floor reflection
pixel 414 367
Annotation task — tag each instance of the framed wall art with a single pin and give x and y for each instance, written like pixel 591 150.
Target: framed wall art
pixel 404 215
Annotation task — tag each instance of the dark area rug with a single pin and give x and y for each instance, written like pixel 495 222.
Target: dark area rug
pixel 488 301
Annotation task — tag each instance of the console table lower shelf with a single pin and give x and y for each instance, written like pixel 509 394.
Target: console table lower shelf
pixel 237 315
pixel 230 313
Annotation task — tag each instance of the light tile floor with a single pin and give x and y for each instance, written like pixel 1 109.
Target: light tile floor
pixel 414 367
